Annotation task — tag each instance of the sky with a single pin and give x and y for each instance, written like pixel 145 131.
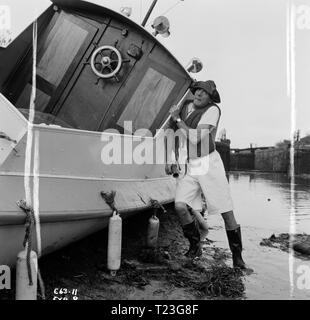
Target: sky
pixel 243 47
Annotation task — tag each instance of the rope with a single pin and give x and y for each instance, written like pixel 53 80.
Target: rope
pixel 29 223
pixel 28 234
pixel 109 198
pixel 172 7
pixel 168 10
pixel 41 284
pixel 157 205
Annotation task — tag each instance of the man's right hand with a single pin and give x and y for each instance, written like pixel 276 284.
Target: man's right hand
pixel 174 112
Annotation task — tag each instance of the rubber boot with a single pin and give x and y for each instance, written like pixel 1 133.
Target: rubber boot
pixel 235 244
pixel 191 232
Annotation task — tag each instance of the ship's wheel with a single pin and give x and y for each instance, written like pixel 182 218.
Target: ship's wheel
pixel 106 62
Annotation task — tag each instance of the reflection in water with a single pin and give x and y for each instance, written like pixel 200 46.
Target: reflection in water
pixel 264 199
pixel 251 177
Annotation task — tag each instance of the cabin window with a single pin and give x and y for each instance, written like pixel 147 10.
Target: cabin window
pixel 63 43
pixel 147 100
pixel 60 49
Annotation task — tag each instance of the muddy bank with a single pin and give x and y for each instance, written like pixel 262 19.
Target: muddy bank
pixel 163 273
pixel 300 243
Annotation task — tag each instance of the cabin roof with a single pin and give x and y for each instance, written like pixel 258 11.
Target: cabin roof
pixel 96 9
pixel 91 8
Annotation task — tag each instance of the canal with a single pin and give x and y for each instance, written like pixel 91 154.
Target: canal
pixel 264 205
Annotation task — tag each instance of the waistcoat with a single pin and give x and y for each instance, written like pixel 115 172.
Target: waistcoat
pixel 205 146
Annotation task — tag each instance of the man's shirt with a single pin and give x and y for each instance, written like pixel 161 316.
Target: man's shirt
pixel 211 116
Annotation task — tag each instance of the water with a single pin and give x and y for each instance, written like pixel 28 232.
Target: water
pixel 264 204
pixel 265 200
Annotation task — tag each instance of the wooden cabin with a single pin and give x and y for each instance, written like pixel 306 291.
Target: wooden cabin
pixel 132 77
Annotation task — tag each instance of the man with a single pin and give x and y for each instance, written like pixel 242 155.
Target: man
pixel 198 121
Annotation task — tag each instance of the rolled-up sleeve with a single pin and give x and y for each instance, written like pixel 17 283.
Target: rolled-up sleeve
pixel 211 117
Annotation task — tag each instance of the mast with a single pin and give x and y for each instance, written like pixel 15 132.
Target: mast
pixel 149 13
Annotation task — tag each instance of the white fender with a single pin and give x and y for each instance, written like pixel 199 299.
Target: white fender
pixel 23 290
pixel 114 242
pixel 152 231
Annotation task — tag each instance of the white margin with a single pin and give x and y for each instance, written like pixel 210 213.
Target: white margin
pixel 291 81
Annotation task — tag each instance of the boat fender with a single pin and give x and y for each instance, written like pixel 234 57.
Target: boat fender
pixel 152 231
pixel 114 243
pixel 303 247
pixel 25 290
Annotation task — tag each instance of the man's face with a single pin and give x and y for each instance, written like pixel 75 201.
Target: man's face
pixel 201 98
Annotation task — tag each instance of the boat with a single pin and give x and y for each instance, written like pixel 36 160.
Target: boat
pixel 95 69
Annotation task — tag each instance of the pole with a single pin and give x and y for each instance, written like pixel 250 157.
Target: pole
pixel 149 13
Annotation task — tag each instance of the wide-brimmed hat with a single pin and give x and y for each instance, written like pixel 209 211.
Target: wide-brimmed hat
pixel 208 86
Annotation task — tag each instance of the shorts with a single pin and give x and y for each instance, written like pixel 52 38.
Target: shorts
pixel 206 175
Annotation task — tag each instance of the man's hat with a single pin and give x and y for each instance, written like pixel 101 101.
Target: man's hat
pixel 208 86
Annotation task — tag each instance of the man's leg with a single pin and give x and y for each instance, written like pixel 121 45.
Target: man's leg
pixel 203 226
pixel 183 213
pixel 233 232
pixel 190 229
pixel 188 194
pixel 229 220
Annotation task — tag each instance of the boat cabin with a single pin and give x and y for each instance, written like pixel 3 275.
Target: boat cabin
pixel 95 70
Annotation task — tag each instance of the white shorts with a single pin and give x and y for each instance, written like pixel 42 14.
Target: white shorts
pixel 206 175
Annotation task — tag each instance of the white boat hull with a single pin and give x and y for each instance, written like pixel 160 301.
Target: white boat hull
pixel 69 176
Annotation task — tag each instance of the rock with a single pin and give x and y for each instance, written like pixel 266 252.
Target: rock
pixel 302 247
pixel 272 237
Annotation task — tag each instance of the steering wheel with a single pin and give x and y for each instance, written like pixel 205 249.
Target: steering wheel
pixel 106 61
